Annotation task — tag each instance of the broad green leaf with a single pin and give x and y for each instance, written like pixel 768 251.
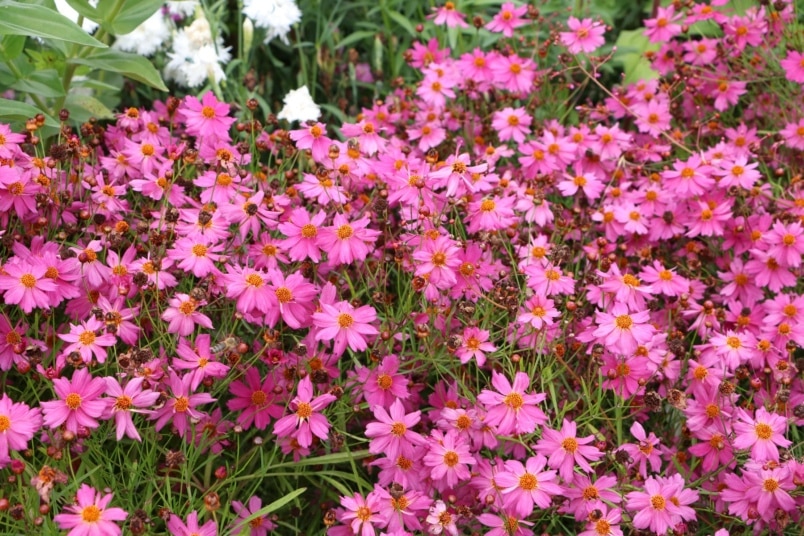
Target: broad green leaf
pixel 84 9
pixel 17 18
pixel 93 106
pixel 11 46
pixel 631 48
pixel 11 110
pixel 46 83
pixel 403 21
pixel 133 13
pixel 135 67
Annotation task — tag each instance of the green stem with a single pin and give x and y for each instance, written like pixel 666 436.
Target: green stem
pixel 18 75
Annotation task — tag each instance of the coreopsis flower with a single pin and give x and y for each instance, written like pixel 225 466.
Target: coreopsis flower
pixel 586 496
pixel 605 525
pixel 511 124
pixel 769 487
pixel 763 434
pixel 528 484
pixel 385 384
pixel 179 528
pixel 563 450
pixel 510 409
pixel 276 16
pixel 474 344
pixel 299 106
pixel 584 36
pixel 305 421
pixel 441 520
pixel 198 360
pixel 206 118
pixel 391 434
pixel 622 330
pixel 449 15
pixel 508 19
pixel 180 406
pixel 257 526
pixel 345 325
pixel 645 452
pixel 78 403
pixel 653 508
pixel 127 400
pixel 346 241
pixel 538 311
pixel 448 457
pixel 292 301
pixel 250 287
pixel 17 190
pixel 9 145
pixel 664 26
pixel 302 230
pixel 313 137
pixel 90 515
pixel 255 401
pixel 182 315
pixel 18 424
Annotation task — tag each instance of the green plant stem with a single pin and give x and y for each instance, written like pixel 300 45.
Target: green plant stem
pixel 18 75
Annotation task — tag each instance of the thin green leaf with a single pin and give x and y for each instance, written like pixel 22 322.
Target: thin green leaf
pixel 17 18
pixel 135 67
pixel 403 21
pixel 355 37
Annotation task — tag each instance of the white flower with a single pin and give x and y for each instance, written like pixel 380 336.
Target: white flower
pixel 146 38
pixel 182 8
pixel 299 106
pixel 276 16
pixel 195 56
pixel 65 9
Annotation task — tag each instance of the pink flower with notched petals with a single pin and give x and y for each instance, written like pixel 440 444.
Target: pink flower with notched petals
pixel 474 344
pixel 198 361
pixel 653 508
pixel 18 424
pixel 622 330
pixel 258 525
pixel 384 384
pixel 89 516
pixel 584 36
pixel 538 311
pixel 182 315
pixel 608 524
pixel 528 484
pixel 448 458
pixel 85 340
pixel 78 403
pixel 181 405
pixel 178 528
pixel 391 435
pixel 793 66
pixel 26 284
pixel 305 421
pixel 345 325
pixel 510 409
pixel 249 286
pixel 664 26
pixel 786 243
pixel 762 434
pixel 563 450
pixel 508 19
pixel 438 259
pixel 313 137
pixel 302 231
pixel 346 242
pixel 206 118
pixel 125 401
pixel 511 124
pixel 292 301
pixel 449 15
pixel 255 401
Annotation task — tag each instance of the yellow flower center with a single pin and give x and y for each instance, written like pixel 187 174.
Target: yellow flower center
pixel 514 401
pixel 254 280
pixel 208 112
pixel 182 404
pixel 5 423
pixel 90 514
pixel 28 280
pixel 87 338
pixel 528 482
pixel 73 401
pixel 345 231
pixel 624 322
pixel 284 295
pixel 345 320
pixel 763 431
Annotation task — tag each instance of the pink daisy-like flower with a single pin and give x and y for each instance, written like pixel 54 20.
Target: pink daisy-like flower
pixel 762 434
pixel 302 231
pixel 508 19
pixel 182 315
pixel 247 522
pixel 510 409
pixel 177 527
pixel 769 486
pixel 538 312
pixel 605 525
pixel 391 436
pixel 18 424
pixel 622 330
pixel 563 450
pixel 653 508
pixel 664 26
pixel 441 520
pixel 528 484
pixel 181 405
pixel 474 344
pixel 345 325
pixel 26 285
pixel 384 384
pixel 448 458
pixel 346 242
pixel 85 340
pixel 207 118
pixel 449 15
pixel 250 287
pixel 360 513
pixel 78 403
pixel 306 421
pixel 584 36
pixel 793 66
pixel 254 401
pixel 89 516
pixel 292 301
pixel 511 124
pixel 198 361
pixel 127 400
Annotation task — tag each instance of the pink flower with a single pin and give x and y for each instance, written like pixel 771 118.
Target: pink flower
pixel 584 36
pixel 198 360
pixel 247 522
pixel 313 137
pixel 592 186
pixel 564 450
pixel 623 331
pixel 528 484
pixel 183 315
pixel 306 421
pixel 85 340
pixel 345 241
pixel 181 405
pixel 786 243
pixel 449 15
pixel 448 458
pixel 762 433
pixel 302 231
pixel 384 384
pixel 391 436
pixel 89 516
pixel 510 409
pixel 249 287
pixel 474 344
pixel 292 300
pixel 438 259
pixel 769 487
pixel 793 66
pixel 18 424
pixel 606 525
pixel 663 27
pixel 78 403
pixel 207 118
pixel 178 528
pixel 441 520
pixel 508 19
pixel 511 124
pixel 538 312
pixel 127 400
pixel 653 508
pixel 254 401
pixel 26 285
pixel 345 325
pixel 644 452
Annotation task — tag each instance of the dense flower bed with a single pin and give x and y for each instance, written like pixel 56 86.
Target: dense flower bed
pixel 467 317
